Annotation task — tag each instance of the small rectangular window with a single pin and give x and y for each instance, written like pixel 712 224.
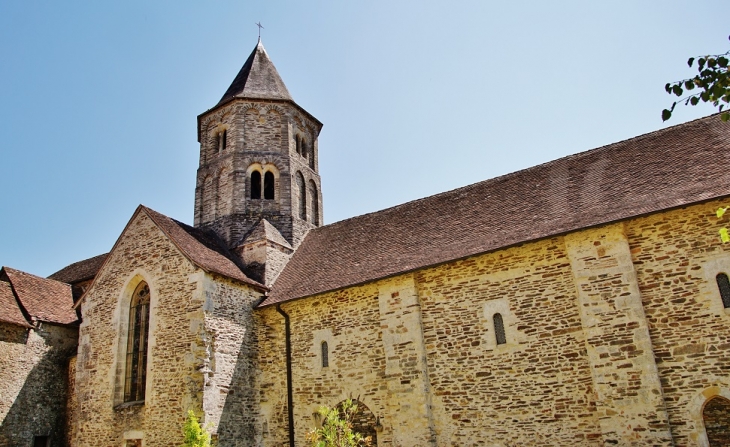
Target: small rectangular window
pixel 41 441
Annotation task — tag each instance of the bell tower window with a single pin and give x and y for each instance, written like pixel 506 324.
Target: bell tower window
pixel 255 185
pixel 269 185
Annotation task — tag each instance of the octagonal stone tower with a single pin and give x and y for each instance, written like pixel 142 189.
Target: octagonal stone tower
pixel 258 180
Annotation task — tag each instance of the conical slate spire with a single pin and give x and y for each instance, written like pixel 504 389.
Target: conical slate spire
pixel 257 79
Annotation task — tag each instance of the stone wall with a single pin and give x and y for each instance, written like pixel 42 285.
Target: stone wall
pixel 677 255
pixel 33 390
pixel 614 336
pixel 230 402
pixel 178 350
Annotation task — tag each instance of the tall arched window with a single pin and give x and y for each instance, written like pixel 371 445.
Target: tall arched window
pixel 135 377
pixel 302 196
pixel 255 185
pixel 305 150
pixel 325 355
pixel 499 329
pixel 723 283
pixel 269 185
pixel 298 142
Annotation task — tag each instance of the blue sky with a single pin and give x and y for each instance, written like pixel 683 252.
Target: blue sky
pixel 98 100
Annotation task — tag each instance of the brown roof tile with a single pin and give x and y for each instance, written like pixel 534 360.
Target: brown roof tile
pixel 80 271
pixel 43 299
pixel 9 309
pixel 672 167
pixel 204 249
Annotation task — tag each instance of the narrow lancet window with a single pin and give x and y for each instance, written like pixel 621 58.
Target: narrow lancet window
pixel 224 139
pixel 325 355
pixel 499 329
pixel 255 185
pixel 136 362
pixel 723 283
pixel 269 186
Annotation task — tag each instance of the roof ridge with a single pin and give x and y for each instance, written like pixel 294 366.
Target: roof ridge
pixel 516 173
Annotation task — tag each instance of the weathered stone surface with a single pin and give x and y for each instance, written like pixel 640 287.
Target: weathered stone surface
pixel 33 390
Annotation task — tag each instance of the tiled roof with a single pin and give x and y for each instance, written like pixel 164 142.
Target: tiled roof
pixel 9 310
pixel 80 271
pixel 265 231
pixel 203 248
pixel 669 168
pixel 43 299
pixel 257 79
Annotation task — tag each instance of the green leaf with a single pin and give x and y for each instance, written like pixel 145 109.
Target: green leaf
pixel 701 63
pixel 666 114
pixel 725 117
pixel 668 88
pixel 724 236
pixel 721 211
pixel 722 61
pixel 677 90
pixel 690 61
pixel 694 100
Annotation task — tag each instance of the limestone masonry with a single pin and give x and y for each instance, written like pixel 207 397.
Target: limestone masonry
pixel 585 301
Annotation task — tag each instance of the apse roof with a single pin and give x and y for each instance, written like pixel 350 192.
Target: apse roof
pixel 665 169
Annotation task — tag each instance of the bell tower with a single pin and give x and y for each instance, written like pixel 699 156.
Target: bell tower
pixel 258 176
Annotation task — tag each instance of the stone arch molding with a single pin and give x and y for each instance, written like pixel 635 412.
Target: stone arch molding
pixel 120 321
pixel 695 409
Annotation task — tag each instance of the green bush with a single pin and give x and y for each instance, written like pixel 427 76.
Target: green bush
pixel 193 434
pixel 336 429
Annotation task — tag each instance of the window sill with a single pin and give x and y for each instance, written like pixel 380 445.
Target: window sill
pixel 134 403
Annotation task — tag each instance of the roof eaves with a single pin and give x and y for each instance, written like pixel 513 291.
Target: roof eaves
pixel 265 303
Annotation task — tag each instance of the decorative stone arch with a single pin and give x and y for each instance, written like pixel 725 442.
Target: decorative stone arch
pixel 121 322
pixel 301 195
pixel 209 197
pixel 708 435
pixel 365 422
pixel 223 184
pixel 313 205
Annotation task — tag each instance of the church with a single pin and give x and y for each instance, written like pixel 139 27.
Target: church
pixel 584 301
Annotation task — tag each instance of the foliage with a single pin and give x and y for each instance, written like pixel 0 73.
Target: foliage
pixel 336 430
pixel 712 83
pixel 195 435
pixel 724 234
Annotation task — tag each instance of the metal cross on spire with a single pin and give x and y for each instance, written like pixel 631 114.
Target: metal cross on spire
pixel 260 27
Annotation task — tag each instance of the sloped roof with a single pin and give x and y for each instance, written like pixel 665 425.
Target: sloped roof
pixel 258 79
pixel 43 299
pixel 668 168
pixel 80 271
pixel 202 248
pixel 9 309
pixel 265 231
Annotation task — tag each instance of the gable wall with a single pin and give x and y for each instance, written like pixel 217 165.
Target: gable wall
pixel 33 389
pixel 615 334
pixel 176 348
